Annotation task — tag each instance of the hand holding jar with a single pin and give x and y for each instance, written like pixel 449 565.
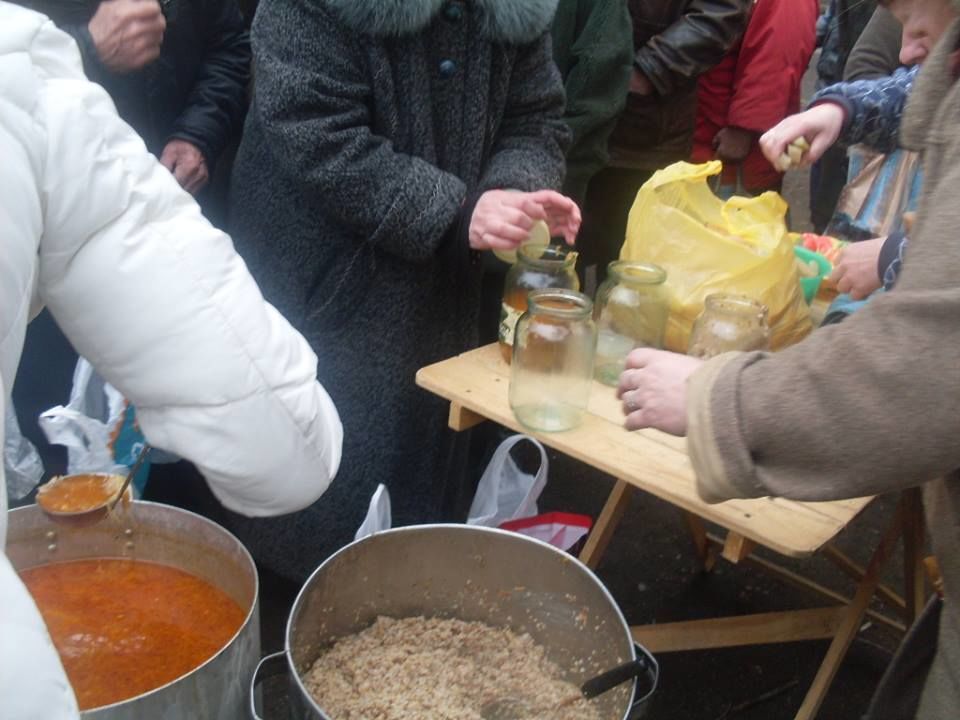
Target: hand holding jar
pixel 502 219
pixel 653 389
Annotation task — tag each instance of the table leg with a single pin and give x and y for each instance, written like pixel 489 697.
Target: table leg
pixel 853 616
pixel 913 542
pixel 702 545
pixel 606 524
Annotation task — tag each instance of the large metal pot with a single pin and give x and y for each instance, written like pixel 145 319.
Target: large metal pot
pixel 217 690
pixel 470 573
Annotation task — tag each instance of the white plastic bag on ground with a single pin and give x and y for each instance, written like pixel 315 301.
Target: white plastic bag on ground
pixel 505 492
pixel 379 516
pixel 21 461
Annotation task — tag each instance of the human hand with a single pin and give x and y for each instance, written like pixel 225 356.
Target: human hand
pixel 127 33
pixel 733 144
pixel 186 163
pixel 640 84
pixel 855 271
pixel 820 126
pixel 653 389
pixel 502 219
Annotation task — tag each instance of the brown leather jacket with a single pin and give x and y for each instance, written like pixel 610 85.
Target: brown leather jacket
pixel 676 41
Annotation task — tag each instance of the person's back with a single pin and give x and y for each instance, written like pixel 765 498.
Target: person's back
pixel 159 302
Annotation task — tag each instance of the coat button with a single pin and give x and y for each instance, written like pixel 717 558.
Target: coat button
pixel 453 12
pixel 447 68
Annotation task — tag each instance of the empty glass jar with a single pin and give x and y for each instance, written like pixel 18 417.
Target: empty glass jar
pixel 630 311
pixel 537 267
pixel 552 369
pixel 729 322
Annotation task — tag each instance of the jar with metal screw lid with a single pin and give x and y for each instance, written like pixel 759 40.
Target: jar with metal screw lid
pixel 537 267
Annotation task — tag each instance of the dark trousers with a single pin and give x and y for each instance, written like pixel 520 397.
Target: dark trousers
pixel 610 196
pixel 898 694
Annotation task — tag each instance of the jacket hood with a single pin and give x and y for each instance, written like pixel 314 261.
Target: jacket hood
pixel 511 21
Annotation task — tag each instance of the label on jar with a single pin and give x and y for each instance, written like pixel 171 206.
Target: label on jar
pixel 508 323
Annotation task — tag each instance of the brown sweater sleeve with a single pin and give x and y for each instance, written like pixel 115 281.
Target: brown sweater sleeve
pixel 859 408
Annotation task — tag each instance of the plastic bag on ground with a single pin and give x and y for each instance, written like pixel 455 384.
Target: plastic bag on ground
pixel 379 515
pixel 505 492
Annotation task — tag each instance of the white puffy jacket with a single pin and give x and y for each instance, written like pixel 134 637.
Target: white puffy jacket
pixel 92 226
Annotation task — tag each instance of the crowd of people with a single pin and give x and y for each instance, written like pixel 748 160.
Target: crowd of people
pixel 363 156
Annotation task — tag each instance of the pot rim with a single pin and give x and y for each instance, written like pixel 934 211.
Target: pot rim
pixel 479 529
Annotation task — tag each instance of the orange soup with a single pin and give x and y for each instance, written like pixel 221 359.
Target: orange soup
pixel 123 627
pixel 76 493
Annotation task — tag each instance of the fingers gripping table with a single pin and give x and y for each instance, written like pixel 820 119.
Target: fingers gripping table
pixel 476 385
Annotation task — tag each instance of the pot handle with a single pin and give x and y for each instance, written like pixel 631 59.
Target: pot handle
pixel 646 665
pixel 273 665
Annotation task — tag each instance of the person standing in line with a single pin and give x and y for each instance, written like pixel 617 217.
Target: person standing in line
pixel 752 89
pixel 674 42
pixel 160 303
pixel 387 146
pixel 779 424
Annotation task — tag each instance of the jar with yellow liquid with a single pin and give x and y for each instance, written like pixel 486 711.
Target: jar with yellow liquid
pixel 538 267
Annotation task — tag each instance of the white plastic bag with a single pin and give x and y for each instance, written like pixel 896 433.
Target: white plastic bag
pixel 21 461
pixel 96 427
pixel 379 516
pixel 86 424
pixel 505 492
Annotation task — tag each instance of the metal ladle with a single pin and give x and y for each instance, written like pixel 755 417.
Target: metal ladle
pixel 511 708
pixel 96 513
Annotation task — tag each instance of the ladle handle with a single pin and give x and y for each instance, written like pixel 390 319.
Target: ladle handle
pixel 137 464
pixel 644 665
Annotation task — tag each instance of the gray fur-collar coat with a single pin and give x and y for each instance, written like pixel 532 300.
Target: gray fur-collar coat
pixel 374 125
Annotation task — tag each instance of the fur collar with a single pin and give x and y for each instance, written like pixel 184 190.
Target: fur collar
pixel 511 21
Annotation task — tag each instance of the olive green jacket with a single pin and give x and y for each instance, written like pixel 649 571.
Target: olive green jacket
pixel 593 48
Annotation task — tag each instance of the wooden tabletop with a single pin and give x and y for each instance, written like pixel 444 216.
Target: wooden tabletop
pixel 648 459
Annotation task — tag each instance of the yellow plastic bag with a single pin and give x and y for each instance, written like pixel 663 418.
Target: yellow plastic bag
pixel 708 245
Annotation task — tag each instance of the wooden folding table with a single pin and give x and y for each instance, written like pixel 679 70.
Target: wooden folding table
pixel 476 385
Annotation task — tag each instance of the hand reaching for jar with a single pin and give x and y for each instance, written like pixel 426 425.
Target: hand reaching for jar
pixel 653 389
pixel 502 219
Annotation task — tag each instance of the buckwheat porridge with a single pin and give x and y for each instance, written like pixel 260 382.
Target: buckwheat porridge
pixel 433 669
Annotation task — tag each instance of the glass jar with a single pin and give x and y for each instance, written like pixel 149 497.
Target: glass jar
pixel 630 311
pixel 552 369
pixel 537 267
pixel 729 322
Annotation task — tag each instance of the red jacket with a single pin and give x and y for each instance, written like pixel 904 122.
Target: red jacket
pixel 757 84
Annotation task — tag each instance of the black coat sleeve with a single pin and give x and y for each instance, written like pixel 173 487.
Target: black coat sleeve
pixel 696 42
pixel 216 103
